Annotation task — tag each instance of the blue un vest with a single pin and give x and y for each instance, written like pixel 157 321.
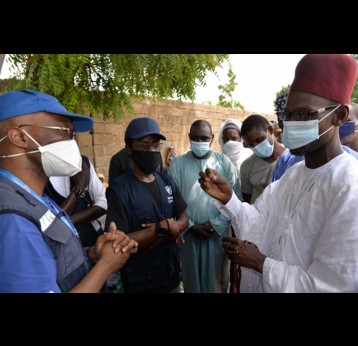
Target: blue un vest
pixel 72 265
pixel 158 266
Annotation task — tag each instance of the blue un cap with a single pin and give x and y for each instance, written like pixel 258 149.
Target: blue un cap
pixel 16 103
pixel 142 127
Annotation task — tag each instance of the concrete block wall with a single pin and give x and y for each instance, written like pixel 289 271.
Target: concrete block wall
pixel 174 118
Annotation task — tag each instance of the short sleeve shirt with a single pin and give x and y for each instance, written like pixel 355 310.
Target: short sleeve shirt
pixel 27 264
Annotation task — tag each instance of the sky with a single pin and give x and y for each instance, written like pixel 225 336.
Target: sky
pixel 258 76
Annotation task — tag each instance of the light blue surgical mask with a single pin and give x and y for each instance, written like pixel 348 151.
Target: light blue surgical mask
pixel 200 149
pixel 264 149
pixel 297 134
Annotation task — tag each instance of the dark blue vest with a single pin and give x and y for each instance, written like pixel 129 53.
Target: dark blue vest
pixel 86 231
pixel 159 266
pixel 72 265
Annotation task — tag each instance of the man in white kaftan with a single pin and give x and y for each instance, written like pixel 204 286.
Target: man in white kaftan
pixel 310 236
pixel 304 226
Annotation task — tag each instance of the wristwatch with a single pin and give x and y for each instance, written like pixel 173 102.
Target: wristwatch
pixel 79 192
pixel 159 230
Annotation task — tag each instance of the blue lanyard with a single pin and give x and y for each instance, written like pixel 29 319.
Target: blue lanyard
pixel 59 212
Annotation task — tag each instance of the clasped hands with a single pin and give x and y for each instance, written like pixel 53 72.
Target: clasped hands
pixel 120 243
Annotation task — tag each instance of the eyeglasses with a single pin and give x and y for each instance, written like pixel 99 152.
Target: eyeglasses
pixel 145 146
pixel 302 115
pixel 69 131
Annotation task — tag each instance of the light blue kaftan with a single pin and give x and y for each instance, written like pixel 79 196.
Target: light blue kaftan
pixel 202 259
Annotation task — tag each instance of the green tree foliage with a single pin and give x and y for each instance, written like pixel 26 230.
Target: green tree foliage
pixel 283 90
pixel 226 99
pixel 106 83
pixel 354 97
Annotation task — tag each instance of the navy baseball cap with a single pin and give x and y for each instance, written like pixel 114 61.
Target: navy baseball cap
pixel 16 103
pixel 142 127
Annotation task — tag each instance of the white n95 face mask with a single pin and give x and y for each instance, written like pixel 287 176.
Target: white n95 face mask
pixel 60 158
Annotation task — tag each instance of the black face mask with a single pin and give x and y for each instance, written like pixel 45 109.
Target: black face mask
pixel 147 161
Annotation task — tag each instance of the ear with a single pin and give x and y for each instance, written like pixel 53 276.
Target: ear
pixel 212 139
pixel 18 137
pixel 128 149
pixel 270 129
pixel 341 115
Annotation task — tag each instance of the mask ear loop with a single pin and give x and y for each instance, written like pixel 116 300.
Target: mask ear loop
pixel 20 154
pixel 326 117
pixel 3 138
pixel 30 137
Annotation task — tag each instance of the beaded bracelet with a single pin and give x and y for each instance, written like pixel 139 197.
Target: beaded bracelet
pixel 242 248
pixel 239 252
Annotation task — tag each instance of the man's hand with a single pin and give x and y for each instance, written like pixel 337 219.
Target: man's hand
pixel 120 242
pixel 81 179
pixel 244 253
pixel 115 261
pixel 215 185
pixel 174 229
pixel 202 231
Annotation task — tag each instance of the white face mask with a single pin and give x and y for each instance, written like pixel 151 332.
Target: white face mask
pixel 58 159
pixel 232 149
